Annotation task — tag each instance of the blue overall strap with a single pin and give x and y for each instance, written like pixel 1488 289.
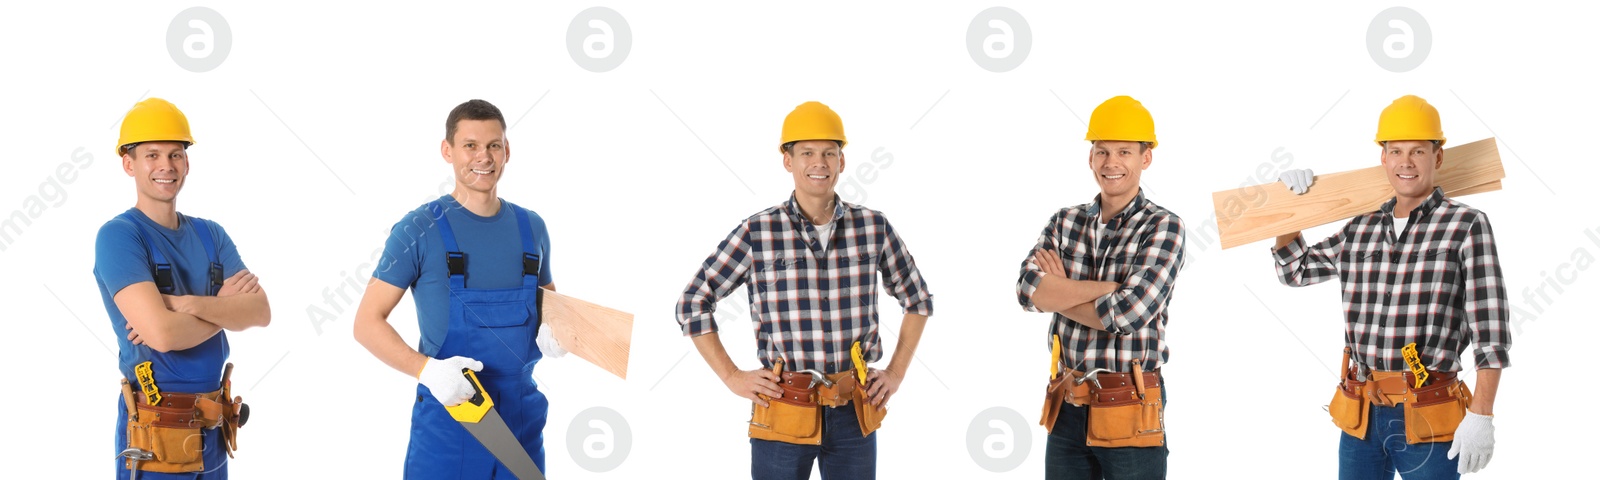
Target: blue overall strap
pixel 214 272
pixel 162 269
pixel 530 255
pixel 454 259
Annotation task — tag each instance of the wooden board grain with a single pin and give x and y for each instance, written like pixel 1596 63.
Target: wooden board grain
pixel 601 335
pixel 1261 212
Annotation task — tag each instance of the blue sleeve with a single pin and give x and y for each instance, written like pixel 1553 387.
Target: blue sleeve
pixel 120 257
pixel 541 237
pixel 232 263
pixel 401 263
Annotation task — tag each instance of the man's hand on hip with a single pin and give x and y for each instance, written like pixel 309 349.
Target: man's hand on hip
pixel 749 383
pixel 882 384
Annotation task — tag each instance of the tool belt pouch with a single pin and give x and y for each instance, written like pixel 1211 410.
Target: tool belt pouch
pixel 1433 412
pixel 1054 394
pixel 1119 418
pixel 870 417
pixel 794 418
pixel 177 447
pixel 1349 407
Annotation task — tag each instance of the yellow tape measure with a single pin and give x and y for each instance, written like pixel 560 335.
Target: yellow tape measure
pixel 147 383
pixel 1414 362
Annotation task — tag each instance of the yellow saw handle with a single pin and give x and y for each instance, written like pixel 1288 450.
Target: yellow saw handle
pixel 861 364
pixel 1055 356
pixel 472 410
pixel 1414 362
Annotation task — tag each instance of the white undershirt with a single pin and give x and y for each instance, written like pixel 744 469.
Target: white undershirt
pixel 824 234
pixel 1400 224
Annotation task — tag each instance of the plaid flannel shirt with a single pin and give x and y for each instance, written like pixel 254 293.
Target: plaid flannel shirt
pixel 1143 254
pixel 1438 283
pixel 808 306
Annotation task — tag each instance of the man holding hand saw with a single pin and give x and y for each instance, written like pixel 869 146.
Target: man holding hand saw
pixel 811 266
pixel 475 264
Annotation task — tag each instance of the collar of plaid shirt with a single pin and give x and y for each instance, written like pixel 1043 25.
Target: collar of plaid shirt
pixel 801 220
pixel 1121 218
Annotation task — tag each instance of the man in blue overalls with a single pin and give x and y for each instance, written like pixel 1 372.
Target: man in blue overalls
pixel 171 284
pixel 474 264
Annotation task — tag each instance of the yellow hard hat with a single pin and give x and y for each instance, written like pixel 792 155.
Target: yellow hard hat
pixel 1122 119
pixel 812 121
pixel 153 119
pixel 1409 118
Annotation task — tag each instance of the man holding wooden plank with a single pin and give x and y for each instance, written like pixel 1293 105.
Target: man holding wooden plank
pixel 474 264
pixel 1106 271
pixel 811 265
pixel 1421 279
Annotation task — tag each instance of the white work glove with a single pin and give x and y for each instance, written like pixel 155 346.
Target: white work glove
pixel 1474 441
pixel 548 344
pixel 1297 180
pixel 445 380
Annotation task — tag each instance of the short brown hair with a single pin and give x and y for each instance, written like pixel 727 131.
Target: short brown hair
pixel 471 110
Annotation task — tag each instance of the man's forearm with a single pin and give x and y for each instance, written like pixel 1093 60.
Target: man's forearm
pixel 710 347
pixel 1084 313
pixel 1488 384
pixel 381 339
pixel 233 312
pixel 1056 293
pixel 178 331
pixel 906 349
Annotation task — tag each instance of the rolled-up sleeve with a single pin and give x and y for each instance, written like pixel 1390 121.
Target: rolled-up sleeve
pixel 722 272
pixel 1144 292
pixel 901 277
pixel 1484 297
pixel 1028 278
pixel 1299 265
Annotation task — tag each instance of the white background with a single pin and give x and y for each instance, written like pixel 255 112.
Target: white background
pixel 321 128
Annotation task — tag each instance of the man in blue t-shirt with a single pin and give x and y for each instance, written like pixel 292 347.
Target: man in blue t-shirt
pixel 171 284
pixel 474 264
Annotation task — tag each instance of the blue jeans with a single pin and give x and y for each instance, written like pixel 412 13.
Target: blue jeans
pixel 1067 454
pixel 843 455
pixel 1385 451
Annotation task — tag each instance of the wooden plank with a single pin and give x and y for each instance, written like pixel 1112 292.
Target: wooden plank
pixel 598 334
pixel 1487 187
pixel 1261 212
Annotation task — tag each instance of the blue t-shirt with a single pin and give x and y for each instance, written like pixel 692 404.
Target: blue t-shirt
pixel 121 258
pixel 414 257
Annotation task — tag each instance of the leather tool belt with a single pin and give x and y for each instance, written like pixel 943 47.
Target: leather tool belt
pixel 167 437
pixel 1125 409
pixel 795 417
pixel 1432 412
